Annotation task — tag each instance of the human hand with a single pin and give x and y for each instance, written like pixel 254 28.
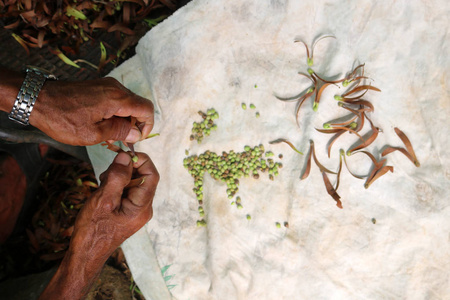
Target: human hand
pixel 112 214
pixel 92 111
pixel 115 212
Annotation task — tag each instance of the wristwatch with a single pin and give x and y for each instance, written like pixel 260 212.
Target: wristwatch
pixel 28 93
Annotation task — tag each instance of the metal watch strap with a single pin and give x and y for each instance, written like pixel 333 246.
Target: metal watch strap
pixel 28 93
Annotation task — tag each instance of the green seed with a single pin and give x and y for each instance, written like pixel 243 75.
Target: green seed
pixel 135 159
pixel 315 106
pixel 276 224
pixel 244 106
pixel 201 223
pixel 257 115
pixel 269 154
pixel 249 217
pixel 338 98
pixel 252 106
pixel 310 71
pixel 310 61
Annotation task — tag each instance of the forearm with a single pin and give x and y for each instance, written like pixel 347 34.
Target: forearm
pixel 74 277
pixel 10 83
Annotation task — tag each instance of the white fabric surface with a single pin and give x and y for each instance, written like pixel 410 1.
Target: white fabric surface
pixel 218 54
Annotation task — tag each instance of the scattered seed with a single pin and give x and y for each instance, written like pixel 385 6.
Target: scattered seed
pixel 252 106
pixel 244 106
pixel 374 221
pixel 249 217
pixel 286 224
pixel 278 224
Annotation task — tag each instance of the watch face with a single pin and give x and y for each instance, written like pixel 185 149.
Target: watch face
pixel 42 71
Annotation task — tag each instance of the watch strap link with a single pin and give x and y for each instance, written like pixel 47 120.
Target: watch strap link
pixel 28 93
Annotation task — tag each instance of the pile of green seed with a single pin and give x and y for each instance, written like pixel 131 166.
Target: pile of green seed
pixel 229 168
pixel 202 129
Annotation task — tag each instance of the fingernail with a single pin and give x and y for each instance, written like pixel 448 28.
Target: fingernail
pixel 123 159
pixel 134 135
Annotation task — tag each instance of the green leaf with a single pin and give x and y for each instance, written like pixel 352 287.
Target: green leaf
pixel 164 269
pixel 72 12
pixel 63 57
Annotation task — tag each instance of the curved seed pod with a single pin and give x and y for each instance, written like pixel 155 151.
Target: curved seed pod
pixel 361 88
pixel 378 170
pixel 370 140
pixel 311 61
pixel 277 141
pixel 308 164
pixel 408 152
pixel 344 123
pixel 332 140
pixel 331 130
pixel 362 102
pixel 342 154
pixel 320 91
pixel 331 190
pixel 321 167
pixel 378 174
pixel 328 81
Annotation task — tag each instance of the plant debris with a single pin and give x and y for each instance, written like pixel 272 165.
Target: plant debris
pixel 71 23
pixel 352 101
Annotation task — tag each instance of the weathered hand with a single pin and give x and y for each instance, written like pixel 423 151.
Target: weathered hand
pixel 115 212
pixel 90 112
pixel 112 214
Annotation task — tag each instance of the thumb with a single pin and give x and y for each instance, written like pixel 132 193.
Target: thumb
pixel 119 129
pixel 118 175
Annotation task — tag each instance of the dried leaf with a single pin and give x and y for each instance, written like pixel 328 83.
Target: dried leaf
pixel 41 36
pixel 12 25
pixel 122 28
